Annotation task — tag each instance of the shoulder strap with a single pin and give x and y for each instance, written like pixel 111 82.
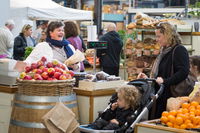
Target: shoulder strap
pixel 172 68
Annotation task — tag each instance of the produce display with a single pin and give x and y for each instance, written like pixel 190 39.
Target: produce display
pixel 43 70
pixel 89 55
pixel 140 56
pixel 187 116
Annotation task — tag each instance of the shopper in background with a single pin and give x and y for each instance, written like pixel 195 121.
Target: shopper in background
pixel 23 40
pixel 41 27
pixel 169 39
pixel 110 57
pixel 43 37
pixel 6 39
pixel 72 35
pixel 195 66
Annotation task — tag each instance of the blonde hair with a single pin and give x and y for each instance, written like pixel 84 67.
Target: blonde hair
pixel 26 27
pixel 130 94
pixel 170 32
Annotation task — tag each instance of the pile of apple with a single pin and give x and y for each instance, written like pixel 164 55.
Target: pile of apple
pixel 43 70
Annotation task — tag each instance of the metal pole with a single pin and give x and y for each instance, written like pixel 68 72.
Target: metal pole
pixel 98 14
pixel 186 8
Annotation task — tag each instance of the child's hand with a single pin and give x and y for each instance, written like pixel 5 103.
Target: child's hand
pixel 142 75
pixel 114 121
pixel 114 106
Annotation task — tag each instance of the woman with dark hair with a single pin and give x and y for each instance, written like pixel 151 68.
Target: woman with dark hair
pixel 61 48
pixel 23 40
pixel 72 35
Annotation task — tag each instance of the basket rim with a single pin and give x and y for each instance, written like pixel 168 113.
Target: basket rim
pixel 45 81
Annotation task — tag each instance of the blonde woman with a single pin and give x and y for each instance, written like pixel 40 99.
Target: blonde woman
pixel 23 40
pixel 170 41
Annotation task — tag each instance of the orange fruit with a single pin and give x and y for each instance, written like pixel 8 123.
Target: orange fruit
pixel 185 105
pixel 169 124
pixel 189 125
pixel 197 112
pixel 185 110
pixel 194 103
pixel 165 113
pixel 173 112
pixel 171 118
pixel 187 121
pixel 164 119
pixel 198 107
pixel 176 126
pixel 179 120
pixel 183 126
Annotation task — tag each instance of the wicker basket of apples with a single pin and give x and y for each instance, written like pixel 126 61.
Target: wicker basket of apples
pixel 45 78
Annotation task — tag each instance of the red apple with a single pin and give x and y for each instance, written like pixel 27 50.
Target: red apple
pixel 49 65
pixel 71 73
pixel 51 71
pixel 62 77
pixel 34 70
pixel 40 63
pixel 22 75
pixel 34 66
pixel 58 70
pixel 57 75
pixel 27 69
pixel 45 69
pixel 39 71
pixel 43 59
pixel 27 77
pixel 68 76
pixel 50 79
pixel 63 67
pixel 37 77
pixel 45 75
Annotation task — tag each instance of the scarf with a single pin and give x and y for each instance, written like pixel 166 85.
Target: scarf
pixel 64 43
pixel 154 71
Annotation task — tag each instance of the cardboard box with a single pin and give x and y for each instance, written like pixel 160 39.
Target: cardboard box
pixel 87 85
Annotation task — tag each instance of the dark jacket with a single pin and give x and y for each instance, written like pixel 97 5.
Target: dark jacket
pixel 119 114
pixel 181 71
pixel 19 47
pixel 111 56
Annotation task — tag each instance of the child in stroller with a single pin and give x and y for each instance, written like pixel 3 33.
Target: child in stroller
pixel 118 113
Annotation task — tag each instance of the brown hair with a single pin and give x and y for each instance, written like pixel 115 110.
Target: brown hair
pixel 25 28
pixel 195 61
pixel 130 94
pixel 169 31
pixel 71 29
pixel 52 26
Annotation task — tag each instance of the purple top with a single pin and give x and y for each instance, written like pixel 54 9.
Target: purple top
pixel 77 43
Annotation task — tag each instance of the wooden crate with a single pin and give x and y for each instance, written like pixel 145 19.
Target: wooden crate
pixel 152 127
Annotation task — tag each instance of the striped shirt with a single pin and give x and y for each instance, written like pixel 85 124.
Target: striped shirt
pixel 6 42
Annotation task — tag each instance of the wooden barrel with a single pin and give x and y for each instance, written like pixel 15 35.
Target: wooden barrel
pixel 28 111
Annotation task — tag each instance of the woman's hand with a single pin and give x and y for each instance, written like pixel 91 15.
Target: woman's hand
pixel 114 106
pixel 159 80
pixel 114 121
pixel 75 67
pixel 142 76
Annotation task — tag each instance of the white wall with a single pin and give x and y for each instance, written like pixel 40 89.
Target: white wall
pixel 5 11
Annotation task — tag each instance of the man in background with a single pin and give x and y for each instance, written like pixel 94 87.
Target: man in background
pixel 110 57
pixel 6 39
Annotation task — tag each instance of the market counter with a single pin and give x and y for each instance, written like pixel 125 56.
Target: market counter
pixel 90 102
pixel 6 97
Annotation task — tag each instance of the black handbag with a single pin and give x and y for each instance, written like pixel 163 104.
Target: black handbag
pixel 185 87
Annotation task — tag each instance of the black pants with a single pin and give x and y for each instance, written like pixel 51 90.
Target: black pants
pixel 111 70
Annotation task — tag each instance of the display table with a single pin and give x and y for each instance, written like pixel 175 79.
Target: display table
pixel 90 102
pixel 151 127
pixel 6 97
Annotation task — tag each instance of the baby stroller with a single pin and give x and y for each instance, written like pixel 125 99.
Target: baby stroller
pixel 149 96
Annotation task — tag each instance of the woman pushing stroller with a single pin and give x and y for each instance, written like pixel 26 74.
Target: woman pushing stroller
pixel 117 115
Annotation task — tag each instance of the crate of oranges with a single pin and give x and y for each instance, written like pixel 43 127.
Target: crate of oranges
pixel 188 116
